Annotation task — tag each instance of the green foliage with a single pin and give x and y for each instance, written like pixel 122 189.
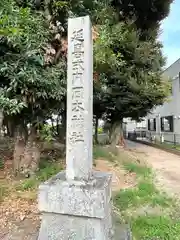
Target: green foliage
pixel 29 88
pixel 145 14
pixel 32 90
pixel 27 184
pixel 128 65
pixel 48 170
pixel 142 171
pixel 144 193
pixel 133 91
pixel 148 210
pixel 102 153
pixel 100 130
pixel 46 133
pixel 156 227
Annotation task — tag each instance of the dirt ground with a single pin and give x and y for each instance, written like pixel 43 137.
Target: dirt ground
pixel 166 166
pixel 120 178
pixel 19 217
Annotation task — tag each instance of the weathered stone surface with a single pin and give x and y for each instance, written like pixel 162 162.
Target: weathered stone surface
pixel 121 231
pixel 79 99
pixel 76 210
pixel 79 210
pixel 63 227
pixel 76 204
pixel 90 199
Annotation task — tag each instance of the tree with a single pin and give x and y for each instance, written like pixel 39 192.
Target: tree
pixel 146 15
pixel 132 68
pixel 131 61
pixel 33 67
pixel 31 89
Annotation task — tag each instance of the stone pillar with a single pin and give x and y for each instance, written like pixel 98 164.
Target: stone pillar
pixel 79 99
pixel 76 204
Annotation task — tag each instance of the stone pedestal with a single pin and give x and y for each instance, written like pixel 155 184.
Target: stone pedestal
pixel 76 204
pixel 73 210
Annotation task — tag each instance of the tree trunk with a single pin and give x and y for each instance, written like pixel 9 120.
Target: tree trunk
pixel 52 123
pixel 19 148
pixel 62 132
pixel 10 129
pixel 96 130
pixel 115 133
pixel 30 161
pixel 26 152
pixel 121 137
pixel 57 125
pixel 1 121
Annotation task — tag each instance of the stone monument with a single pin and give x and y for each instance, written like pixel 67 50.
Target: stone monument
pixel 76 204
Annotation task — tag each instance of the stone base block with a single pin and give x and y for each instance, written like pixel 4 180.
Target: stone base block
pixel 121 231
pixel 64 227
pixel 76 210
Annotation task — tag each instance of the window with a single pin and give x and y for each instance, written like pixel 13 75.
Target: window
pixel 152 124
pixel 154 120
pixel 167 124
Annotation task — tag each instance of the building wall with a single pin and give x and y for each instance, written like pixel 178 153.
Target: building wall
pixel 171 107
pixel 131 125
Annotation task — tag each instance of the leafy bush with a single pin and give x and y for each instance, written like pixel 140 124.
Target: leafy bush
pixel 100 130
pixel 47 170
pixel 51 169
pixel 27 184
pixel 46 133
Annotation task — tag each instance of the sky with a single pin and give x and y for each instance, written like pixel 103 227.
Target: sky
pixel 170 34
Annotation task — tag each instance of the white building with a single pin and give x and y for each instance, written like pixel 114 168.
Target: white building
pixel 129 126
pixel 165 120
pixel 132 125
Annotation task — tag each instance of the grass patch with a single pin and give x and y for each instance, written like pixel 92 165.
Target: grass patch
pixel 101 152
pixel 170 145
pixel 27 184
pixel 148 210
pixel 125 198
pixel 142 171
pixel 3 191
pixel 47 170
pixel 143 193
pixel 162 200
pixel 155 227
pixel 166 145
